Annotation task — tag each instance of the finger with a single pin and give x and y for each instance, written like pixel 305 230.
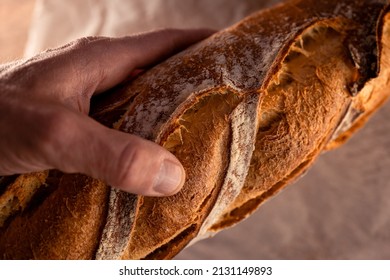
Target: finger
pixel 128 162
pixel 150 47
pixel 144 50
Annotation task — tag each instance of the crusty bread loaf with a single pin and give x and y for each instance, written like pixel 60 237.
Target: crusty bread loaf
pixel 246 111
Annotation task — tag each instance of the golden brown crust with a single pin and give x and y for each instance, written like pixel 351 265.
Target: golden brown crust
pixel 373 94
pixel 201 142
pixel 358 110
pixel 287 137
pixel 17 193
pixel 246 111
pixel 62 223
pixel 260 44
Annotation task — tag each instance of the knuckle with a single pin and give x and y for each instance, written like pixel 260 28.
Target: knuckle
pixel 126 166
pixel 84 41
pixel 89 68
pixel 129 173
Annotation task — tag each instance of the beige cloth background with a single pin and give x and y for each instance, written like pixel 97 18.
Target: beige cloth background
pixel 339 210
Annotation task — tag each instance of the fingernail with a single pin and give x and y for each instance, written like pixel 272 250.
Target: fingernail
pixel 170 178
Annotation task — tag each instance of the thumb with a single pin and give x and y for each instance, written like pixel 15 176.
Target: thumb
pixel 124 161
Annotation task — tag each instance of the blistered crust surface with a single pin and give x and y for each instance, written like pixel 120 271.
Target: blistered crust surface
pixel 246 58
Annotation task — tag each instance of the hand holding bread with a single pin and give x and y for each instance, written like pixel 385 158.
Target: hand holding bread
pixel 48 97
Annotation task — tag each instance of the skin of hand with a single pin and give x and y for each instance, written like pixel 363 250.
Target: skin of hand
pixel 44 105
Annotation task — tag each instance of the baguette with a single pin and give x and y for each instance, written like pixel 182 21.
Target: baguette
pixel 246 111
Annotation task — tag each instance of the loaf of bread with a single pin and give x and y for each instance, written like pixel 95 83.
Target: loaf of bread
pixel 246 111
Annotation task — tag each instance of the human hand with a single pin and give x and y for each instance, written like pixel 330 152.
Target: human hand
pixel 44 102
